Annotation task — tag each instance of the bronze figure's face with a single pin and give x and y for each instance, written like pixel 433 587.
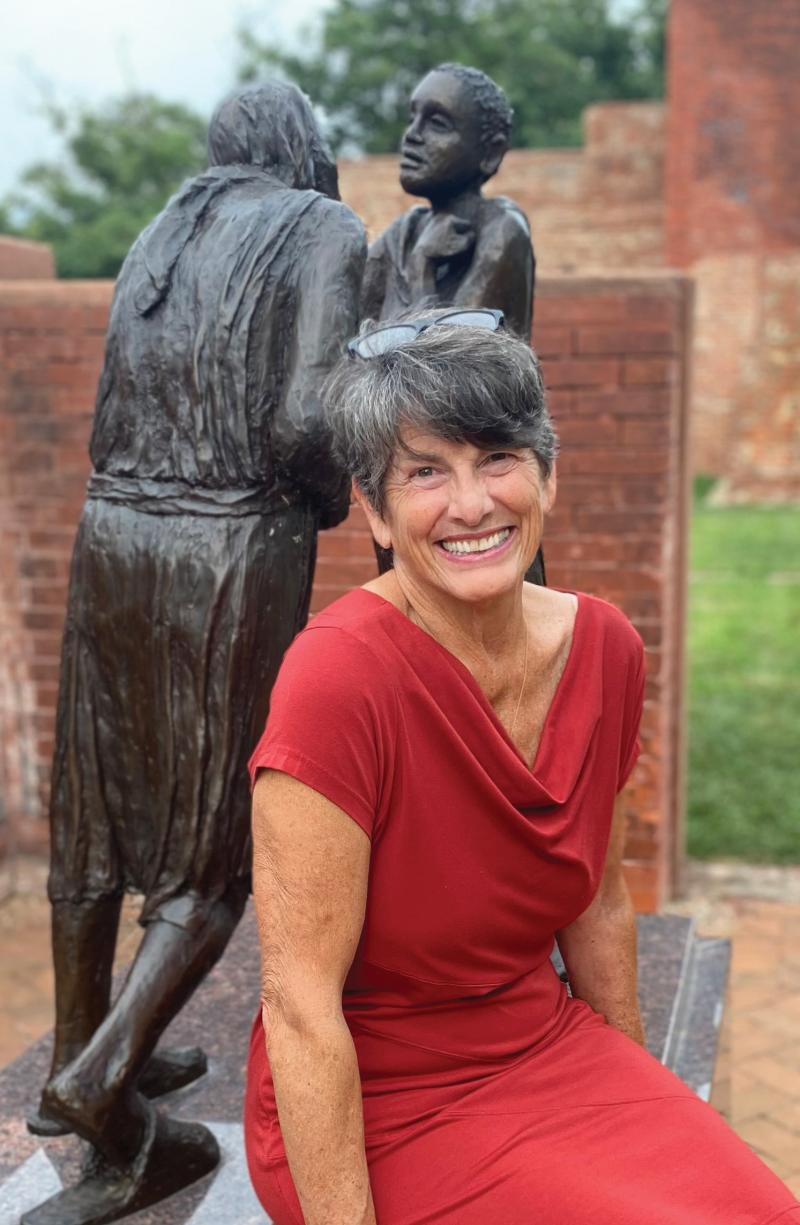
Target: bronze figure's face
pixel 442 148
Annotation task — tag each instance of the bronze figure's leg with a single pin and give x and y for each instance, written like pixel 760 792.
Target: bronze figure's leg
pixel 138 1157
pixel 84 936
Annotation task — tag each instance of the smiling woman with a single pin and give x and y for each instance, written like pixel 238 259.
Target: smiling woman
pixel 434 803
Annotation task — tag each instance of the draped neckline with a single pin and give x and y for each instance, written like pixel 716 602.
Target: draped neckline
pixel 535 770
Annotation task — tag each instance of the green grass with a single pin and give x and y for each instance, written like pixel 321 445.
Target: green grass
pixel 744 684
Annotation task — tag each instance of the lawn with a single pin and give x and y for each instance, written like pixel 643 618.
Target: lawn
pixel 744 684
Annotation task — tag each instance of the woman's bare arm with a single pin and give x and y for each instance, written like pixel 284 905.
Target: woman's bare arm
pixel 310 868
pixel 599 948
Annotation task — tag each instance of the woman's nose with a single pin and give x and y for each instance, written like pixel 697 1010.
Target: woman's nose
pixel 470 502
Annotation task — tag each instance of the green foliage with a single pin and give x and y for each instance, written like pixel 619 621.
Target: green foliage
pixel 702 485
pixel 744 699
pixel 552 57
pixel 122 162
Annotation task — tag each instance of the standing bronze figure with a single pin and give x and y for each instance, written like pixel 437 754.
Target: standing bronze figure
pixel 466 249
pixel 191 574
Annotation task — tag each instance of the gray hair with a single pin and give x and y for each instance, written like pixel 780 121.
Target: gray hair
pixel 465 384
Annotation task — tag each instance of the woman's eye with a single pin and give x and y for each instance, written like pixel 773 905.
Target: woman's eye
pixel 424 472
pixel 502 459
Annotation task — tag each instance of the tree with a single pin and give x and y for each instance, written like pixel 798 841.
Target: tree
pixel 552 57
pixel 122 162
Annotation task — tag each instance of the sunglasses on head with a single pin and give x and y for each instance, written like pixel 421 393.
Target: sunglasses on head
pixel 394 335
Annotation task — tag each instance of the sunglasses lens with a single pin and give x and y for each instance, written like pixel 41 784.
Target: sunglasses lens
pixel 472 319
pixel 383 340
pixel 373 344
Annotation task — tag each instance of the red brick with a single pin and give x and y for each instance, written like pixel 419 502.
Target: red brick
pixel 581 373
pixel 644 433
pixel 345 542
pixel 616 461
pixel 626 401
pixel 626 340
pixel 552 341
pixel 575 431
pixel 350 572
pixel 650 371
pixel 567 308
pixel 21 259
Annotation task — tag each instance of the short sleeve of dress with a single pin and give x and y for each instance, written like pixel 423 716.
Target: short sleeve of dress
pixel 630 744
pixel 330 722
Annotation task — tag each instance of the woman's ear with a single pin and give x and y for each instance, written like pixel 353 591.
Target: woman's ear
pixel 549 486
pixel 377 525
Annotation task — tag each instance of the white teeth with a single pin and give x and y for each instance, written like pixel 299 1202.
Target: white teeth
pixel 476 546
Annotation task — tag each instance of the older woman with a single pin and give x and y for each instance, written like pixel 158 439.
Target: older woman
pixel 435 802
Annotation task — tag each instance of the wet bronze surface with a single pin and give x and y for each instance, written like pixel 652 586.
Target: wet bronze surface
pixel 191 574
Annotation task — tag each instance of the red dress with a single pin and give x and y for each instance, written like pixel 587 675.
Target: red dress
pixel 490 1097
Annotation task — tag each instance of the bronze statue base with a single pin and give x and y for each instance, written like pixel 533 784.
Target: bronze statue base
pixel 174 1155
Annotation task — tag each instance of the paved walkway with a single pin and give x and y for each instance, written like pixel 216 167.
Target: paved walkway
pixel 758 1090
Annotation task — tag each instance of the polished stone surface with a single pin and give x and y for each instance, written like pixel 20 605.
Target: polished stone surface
pixel 682 984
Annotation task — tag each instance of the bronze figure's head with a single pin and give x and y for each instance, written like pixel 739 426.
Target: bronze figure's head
pixel 272 125
pixel 459 131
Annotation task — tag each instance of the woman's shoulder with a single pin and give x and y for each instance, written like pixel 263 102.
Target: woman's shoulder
pixel 592 617
pixel 621 640
pixel 342 645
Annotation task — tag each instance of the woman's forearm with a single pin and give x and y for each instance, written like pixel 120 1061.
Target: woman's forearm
pixel 318 1095
pixel 599 951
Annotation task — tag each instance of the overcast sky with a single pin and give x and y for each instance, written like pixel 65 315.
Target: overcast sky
pixel 86 50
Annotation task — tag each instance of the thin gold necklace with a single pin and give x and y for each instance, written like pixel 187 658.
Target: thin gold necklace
pixel 522 686
pixel 428 630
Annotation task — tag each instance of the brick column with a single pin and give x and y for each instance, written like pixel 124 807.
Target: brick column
pixel 21 260
pixel 51 349
pixel 732 217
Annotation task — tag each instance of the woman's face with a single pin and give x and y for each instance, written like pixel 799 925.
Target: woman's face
pixel 461 519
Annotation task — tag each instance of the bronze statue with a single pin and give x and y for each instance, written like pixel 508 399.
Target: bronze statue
pixel 466 249
pixel 191 574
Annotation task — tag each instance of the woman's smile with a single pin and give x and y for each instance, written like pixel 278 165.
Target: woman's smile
pixel 469 549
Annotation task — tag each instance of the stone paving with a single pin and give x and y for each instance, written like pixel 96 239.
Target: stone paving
pixel 759 1091
pixel 758 908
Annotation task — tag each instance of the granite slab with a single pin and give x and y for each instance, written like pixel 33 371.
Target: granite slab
pixel 681 979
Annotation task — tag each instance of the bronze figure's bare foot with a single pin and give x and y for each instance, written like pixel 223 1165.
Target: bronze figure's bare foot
pixel 165 1072
pixel 173 1156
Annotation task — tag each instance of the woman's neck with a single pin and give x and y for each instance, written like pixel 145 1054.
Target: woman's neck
pixel 482 633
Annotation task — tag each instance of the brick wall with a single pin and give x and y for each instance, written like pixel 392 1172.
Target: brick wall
pixel 23 260
pixel 600 206
pixel 51 348
pixel 614 356
pixel 733 158
pixel 732 219
pixel 763 463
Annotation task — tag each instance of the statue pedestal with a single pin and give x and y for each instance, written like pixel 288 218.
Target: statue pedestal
pixel 682 985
